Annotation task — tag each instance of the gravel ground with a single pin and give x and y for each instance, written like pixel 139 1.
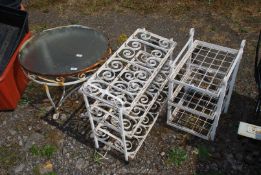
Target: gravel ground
pixel 29 125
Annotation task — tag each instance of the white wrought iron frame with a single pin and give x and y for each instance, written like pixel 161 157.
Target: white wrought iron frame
pixel 124 97
pixel 201 85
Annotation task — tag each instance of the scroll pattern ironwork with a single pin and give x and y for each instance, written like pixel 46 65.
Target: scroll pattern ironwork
pixel 124 97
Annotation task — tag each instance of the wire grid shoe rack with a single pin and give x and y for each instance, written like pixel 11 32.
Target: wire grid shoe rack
pixel 200 86
pixel 125 96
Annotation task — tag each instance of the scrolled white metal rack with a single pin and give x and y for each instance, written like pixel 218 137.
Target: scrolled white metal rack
pixel 124 97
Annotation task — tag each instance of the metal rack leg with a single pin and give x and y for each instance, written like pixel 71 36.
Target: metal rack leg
pixel 234 74
pixel 87 105
pixel 170 94
pixel 49 95
pixel 231 87
pixel 123 134
pixel 56 107
pixel 61 99
pixel 215 124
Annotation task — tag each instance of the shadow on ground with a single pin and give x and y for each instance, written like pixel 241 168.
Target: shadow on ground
pixel 229 153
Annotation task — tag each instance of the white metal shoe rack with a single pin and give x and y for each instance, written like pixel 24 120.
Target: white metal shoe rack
pixel 124 97
pixel 200 86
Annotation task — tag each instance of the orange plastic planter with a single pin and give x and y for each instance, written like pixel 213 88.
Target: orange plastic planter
pixel 13 81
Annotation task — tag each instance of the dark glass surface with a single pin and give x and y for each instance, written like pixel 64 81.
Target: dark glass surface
pixel 63 51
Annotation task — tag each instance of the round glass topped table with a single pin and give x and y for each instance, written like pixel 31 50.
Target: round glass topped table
pixel 63 56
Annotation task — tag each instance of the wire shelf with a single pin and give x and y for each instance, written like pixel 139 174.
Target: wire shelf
pixel 206 67
pixel 195 102
pixel 191 123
